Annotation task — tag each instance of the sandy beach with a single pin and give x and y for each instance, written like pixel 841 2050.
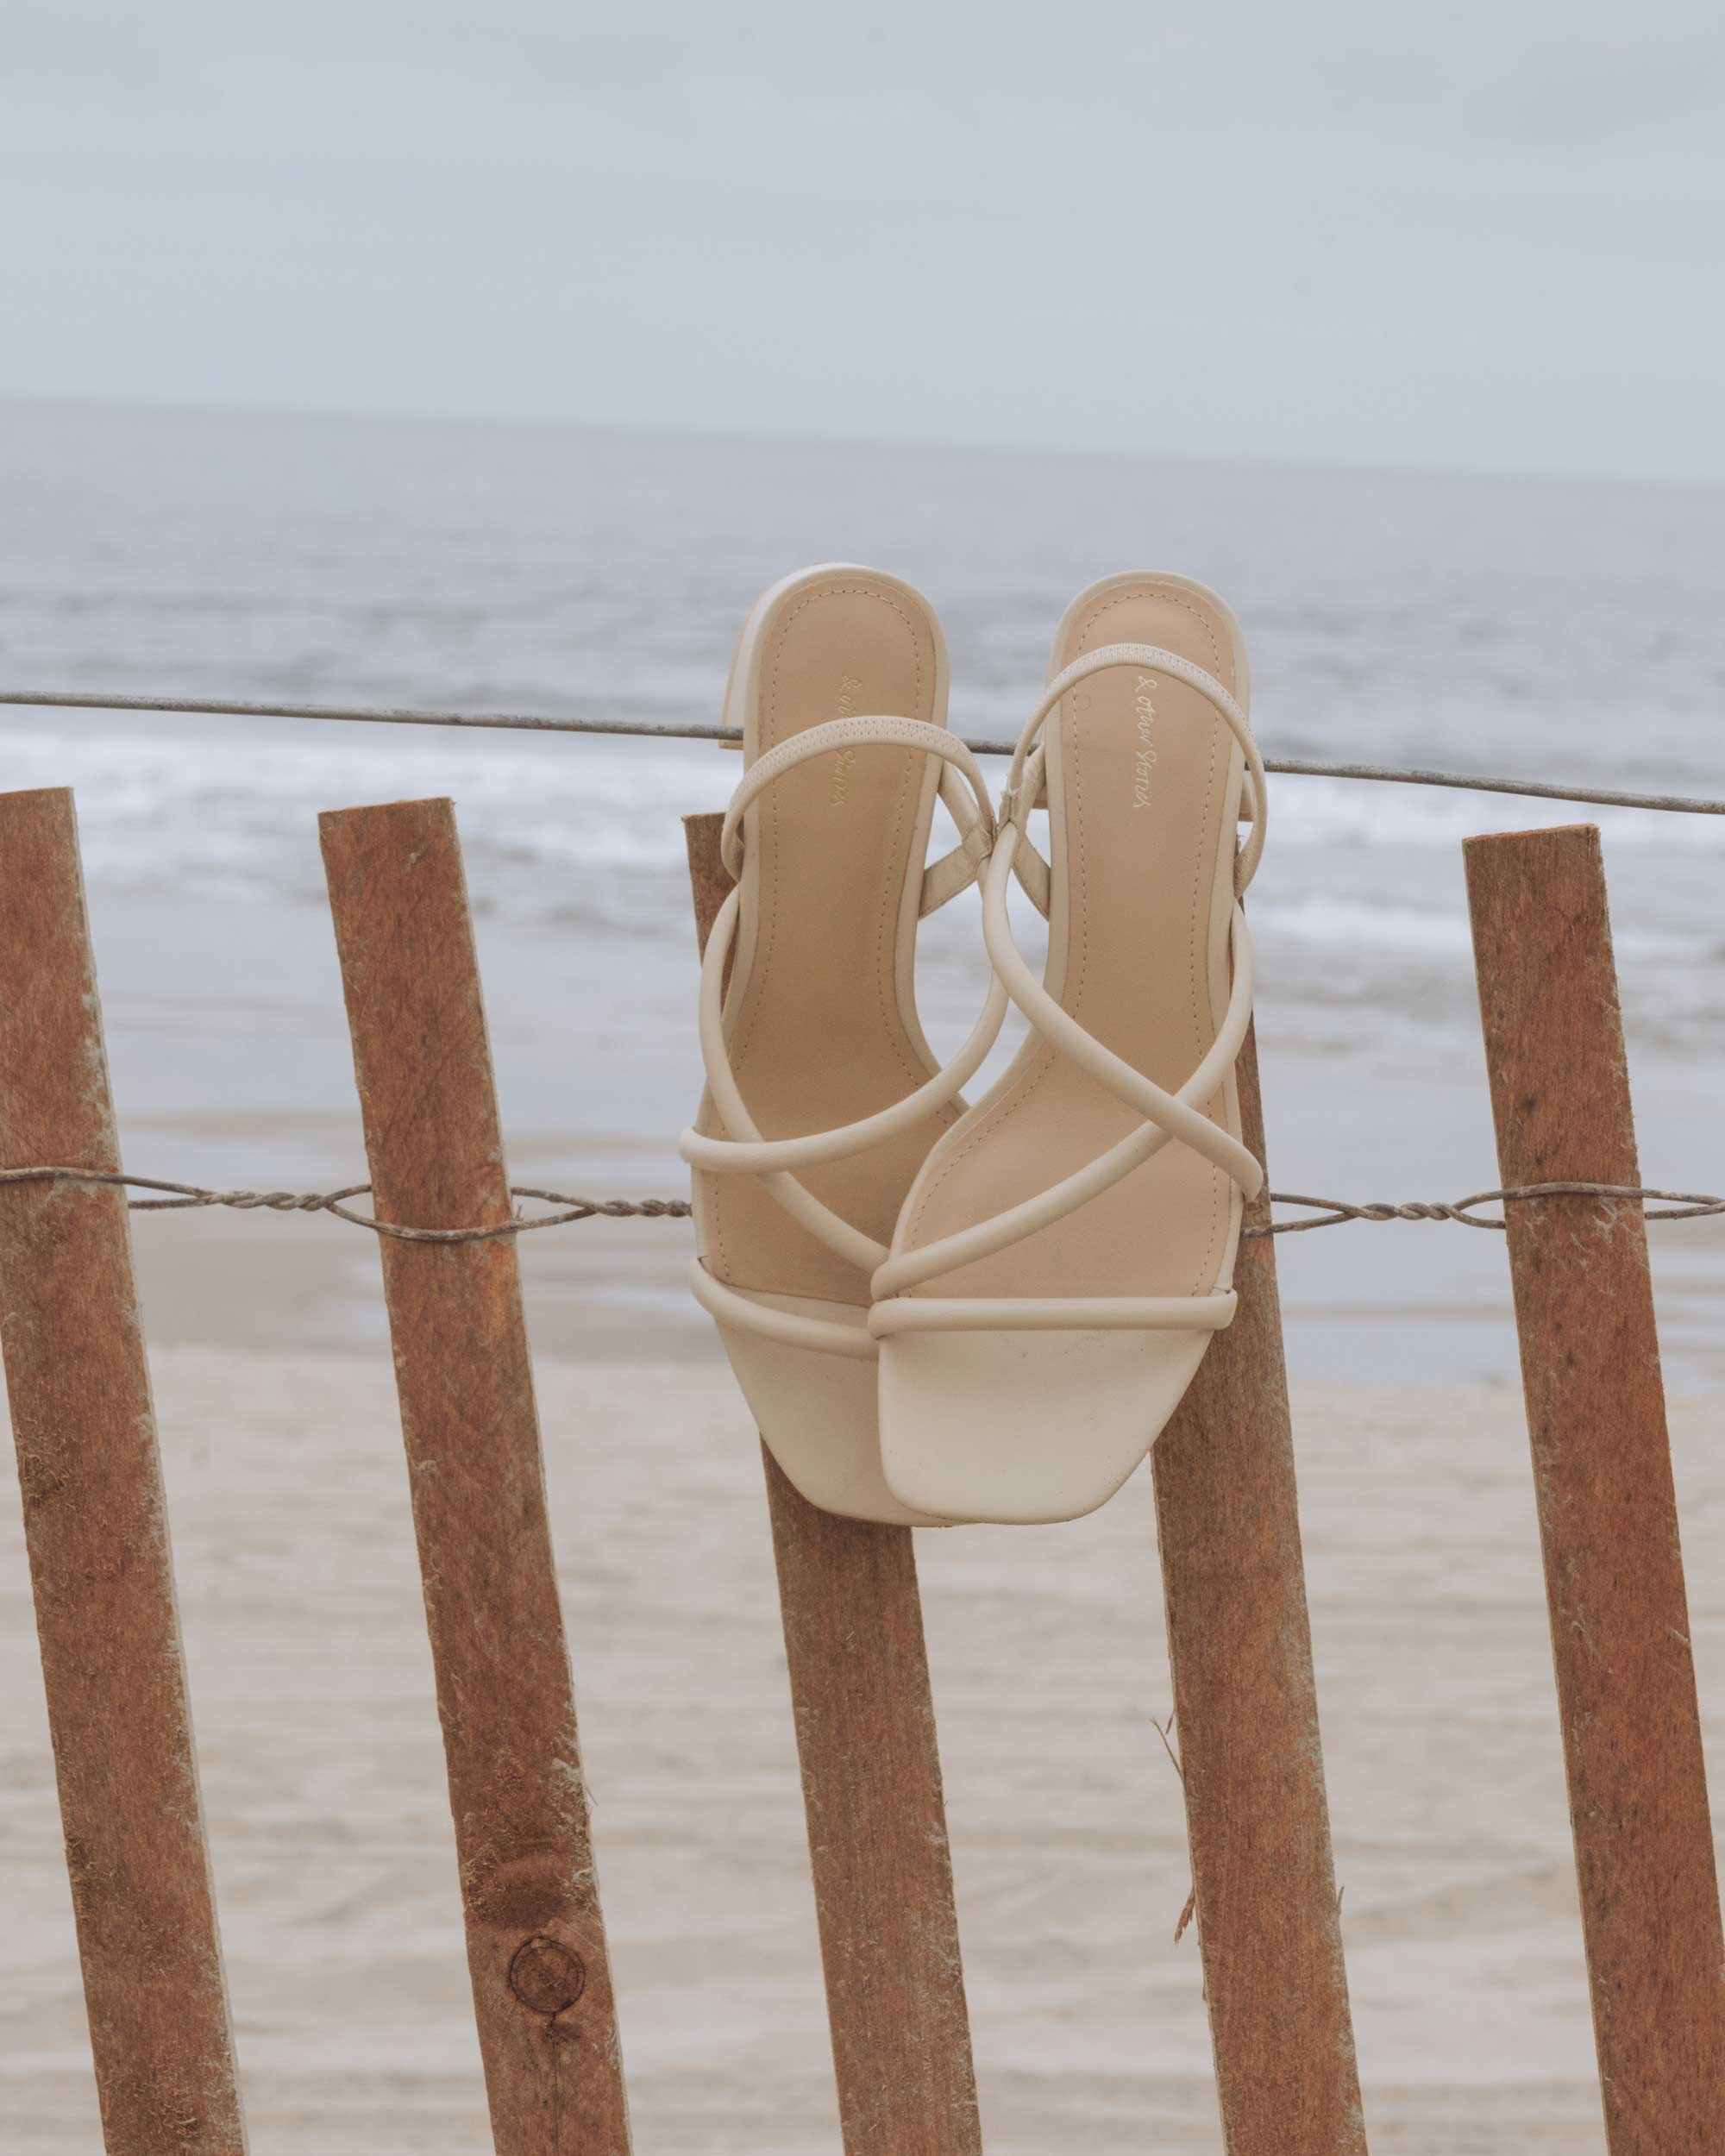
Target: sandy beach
pixel 1461 624
pixel 323 1774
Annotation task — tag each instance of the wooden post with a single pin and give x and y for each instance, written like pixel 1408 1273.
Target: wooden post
pixel 1602 1477
pixel 535 1941
pixel 1239 1641
pixel 871 1788
pixel 96 1524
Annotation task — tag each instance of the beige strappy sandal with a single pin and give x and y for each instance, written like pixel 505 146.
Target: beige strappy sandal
pixel 822 1098
pixel 1065 1253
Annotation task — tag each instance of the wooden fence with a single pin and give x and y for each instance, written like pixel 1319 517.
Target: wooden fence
pixel 1227 1522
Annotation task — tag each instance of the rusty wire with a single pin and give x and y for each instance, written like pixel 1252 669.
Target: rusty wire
pixel 1332 1212
pixel 1326 1212
pixel 183 1197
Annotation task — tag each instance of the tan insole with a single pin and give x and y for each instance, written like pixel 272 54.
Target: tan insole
pixel 1138 809
pixel 816 1027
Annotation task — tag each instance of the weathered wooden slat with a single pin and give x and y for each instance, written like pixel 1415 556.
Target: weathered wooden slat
pixel 1603 1478
pixel 96 1523
pixel 1257 1812
pixel 871 1788
pixel 535 1941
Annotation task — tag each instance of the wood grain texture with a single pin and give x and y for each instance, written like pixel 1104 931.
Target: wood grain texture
pixel 96 1523
pixel 1603 1478
pixel 535 1941
pixel 1257 1814
pixel 871 1788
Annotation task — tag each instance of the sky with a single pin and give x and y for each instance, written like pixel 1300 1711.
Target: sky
pixel 1466 236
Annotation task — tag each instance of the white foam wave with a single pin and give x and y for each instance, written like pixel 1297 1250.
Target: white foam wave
pixel 1311 812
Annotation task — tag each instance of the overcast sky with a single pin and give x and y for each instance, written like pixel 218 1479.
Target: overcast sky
pixel 1481 233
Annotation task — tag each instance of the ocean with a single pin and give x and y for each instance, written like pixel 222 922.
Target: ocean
pixel 1538 627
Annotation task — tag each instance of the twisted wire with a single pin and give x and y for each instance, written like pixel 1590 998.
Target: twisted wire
pixel 182 1197
pixel 567 1208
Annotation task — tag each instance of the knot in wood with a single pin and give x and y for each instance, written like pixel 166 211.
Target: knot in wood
pixel 547 1976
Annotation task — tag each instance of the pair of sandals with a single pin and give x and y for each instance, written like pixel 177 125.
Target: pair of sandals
pixel 940 1313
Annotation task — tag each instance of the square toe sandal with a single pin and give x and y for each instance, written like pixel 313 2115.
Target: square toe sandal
pixel 1065 1254
pixel 822 1098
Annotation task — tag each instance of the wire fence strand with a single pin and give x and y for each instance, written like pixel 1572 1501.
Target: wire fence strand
pixel 660 729
pixel 184 1197
pixel 568 1209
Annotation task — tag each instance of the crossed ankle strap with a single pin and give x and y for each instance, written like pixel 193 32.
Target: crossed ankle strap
pixel 1168 1118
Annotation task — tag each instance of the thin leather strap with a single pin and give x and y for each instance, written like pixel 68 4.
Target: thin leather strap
pixel 1167 1118
pixel 975 814
pixel 984 1239
pixel 957 870
pixel 742 1150
pixel 824 1336
pixel 764 1157
pixel 1177 1116
pixel 1025 786
pixel 821 1221
pixel 1052 1313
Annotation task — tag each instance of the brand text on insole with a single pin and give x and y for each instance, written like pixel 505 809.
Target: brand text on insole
pixel 1143 757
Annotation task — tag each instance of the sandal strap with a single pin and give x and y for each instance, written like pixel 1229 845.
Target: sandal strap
pixel 824 1336
pixel 1025 781
pixel 1176 1114
pixel 752 1155
pixel 1167 1118
pixel 742 1150
pixel 973 812
pixel 958 868
pixel 1053 1313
